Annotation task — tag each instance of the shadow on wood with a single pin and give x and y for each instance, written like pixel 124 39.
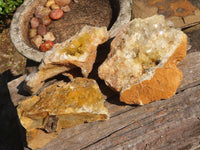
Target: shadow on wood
pixel 12 134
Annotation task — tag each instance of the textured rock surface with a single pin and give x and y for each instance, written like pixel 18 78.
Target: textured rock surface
pixel 183 13
pixel 78 51
pixel 60 106
pixel 142 62
pixel 163 84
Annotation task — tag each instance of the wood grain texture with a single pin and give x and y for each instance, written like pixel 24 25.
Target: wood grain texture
pixel 159 125
pixel 191 70
pixel 165 124
pixel 14 88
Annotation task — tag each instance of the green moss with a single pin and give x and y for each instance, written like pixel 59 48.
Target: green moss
pixel 9 6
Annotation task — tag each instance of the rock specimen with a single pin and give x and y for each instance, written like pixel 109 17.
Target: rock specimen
pixel 42 17
pixel 60 106
pixel 78 51
pixel 142 62
pixel 183 13
pixel 36 40
pixel 56 14
pixel 46 46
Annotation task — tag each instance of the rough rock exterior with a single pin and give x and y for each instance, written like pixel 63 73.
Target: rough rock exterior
pixel 77 52
pixel 183 13
pixel 142 62
pixel 60 106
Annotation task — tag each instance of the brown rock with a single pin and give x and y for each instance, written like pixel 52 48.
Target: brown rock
pixel 66 8
pixel 55 6
pixel 34 22
pixel 32 33
pixel 56 14
pixel 49 36
pixel 47 45
pixel 43 117
pixel 63 2
pixel 41 11
pixel 49 3
pixel 78 51
pixel 46 20
pixel 42 30
pixel 183 13
pixel 142 62
pixel 37 41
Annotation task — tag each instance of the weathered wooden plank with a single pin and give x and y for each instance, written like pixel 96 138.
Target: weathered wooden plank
pixel 116 107
pixel 175 125
pixel 139 126
pixel 190 67
pixel 14 87
pixel 182 136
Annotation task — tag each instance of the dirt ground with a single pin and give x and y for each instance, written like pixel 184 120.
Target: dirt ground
pixel 12 65
pixel 10 59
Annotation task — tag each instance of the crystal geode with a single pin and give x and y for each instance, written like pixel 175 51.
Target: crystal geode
pixel 142 62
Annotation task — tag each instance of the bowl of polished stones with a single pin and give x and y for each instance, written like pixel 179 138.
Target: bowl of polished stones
pixel 38 25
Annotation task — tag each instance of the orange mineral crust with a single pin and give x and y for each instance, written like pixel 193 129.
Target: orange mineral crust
pixel 163 85
pixel 60 106
pixel 179 8
pixel 182 13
